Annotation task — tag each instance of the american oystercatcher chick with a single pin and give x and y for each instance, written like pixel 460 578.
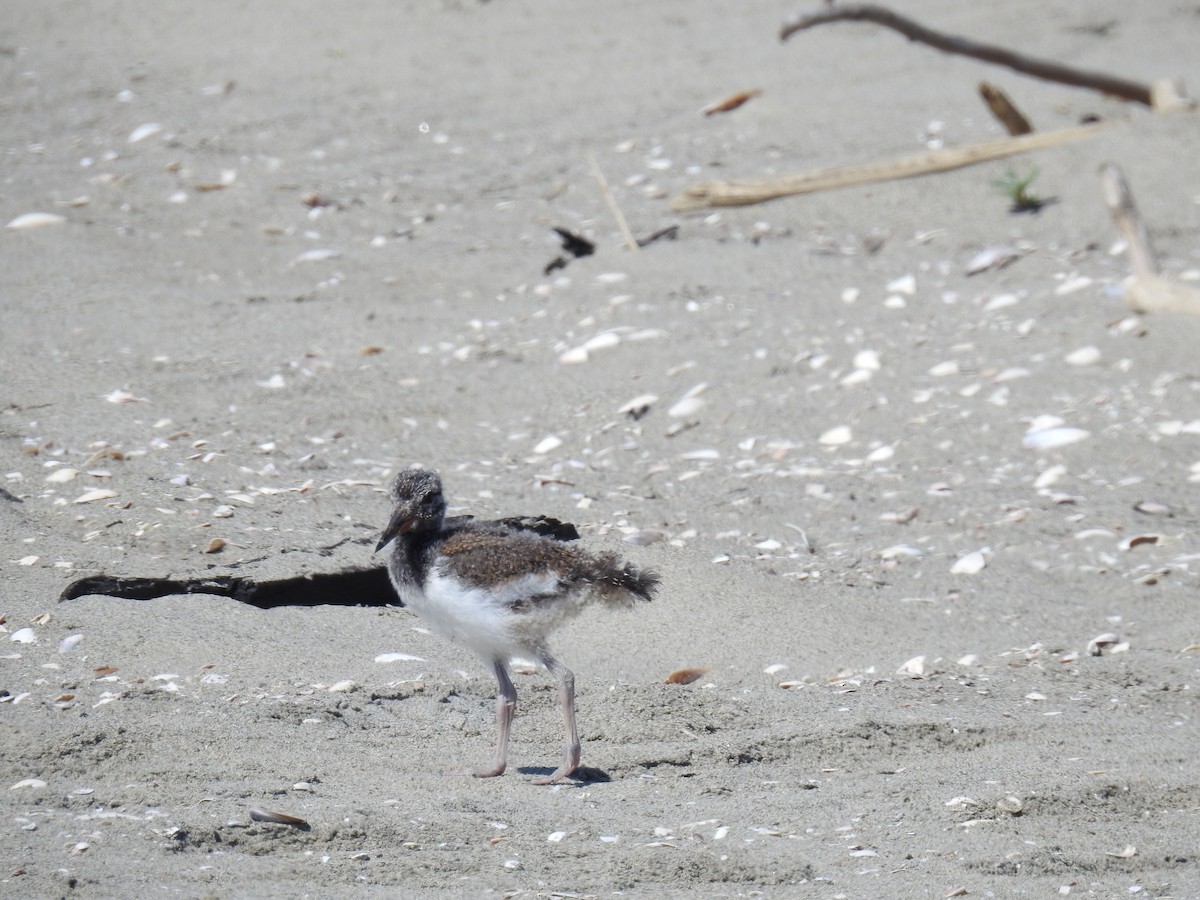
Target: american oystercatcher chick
pixel 500 588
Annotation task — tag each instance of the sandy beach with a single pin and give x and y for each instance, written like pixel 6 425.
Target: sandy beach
pixel 931 531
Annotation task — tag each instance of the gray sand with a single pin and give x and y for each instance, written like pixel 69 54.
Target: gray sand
pixel 363 290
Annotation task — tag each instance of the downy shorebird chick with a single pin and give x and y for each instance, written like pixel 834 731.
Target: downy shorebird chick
pixel 500 588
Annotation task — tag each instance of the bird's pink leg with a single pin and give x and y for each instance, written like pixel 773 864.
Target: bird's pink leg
pixel 566 697
pixel 506 708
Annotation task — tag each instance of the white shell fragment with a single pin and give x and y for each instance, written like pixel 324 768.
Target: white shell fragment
pixel 144 131
pixel 690 404
pixel 836 436
pixel 397 657
pixel 991 258
pixel 1084 356
pixel 1050 438
pixel 35 220
pixel 548 443
pixel 62 476
pixel 971 564
pixel 917 667
pixel 23 636
pixel 98 494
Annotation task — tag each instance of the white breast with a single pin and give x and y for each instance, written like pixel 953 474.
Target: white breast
pixel 481 619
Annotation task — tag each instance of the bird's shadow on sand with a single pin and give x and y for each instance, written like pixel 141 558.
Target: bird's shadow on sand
pixel 582 775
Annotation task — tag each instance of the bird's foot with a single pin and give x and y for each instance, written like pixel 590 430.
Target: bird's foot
pixel 486 772
pixel 558 775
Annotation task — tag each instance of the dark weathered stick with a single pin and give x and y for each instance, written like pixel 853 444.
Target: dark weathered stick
pixel 1039 68
pixel 1004 109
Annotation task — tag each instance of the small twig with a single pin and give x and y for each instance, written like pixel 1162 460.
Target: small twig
pixel 630 240
pixel 1039 68
pixel 759 190
pixel 1004 109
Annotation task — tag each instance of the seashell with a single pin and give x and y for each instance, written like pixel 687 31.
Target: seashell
pixel 35 220
pixel 548 443
pixel 1097 644
pixel 318 255
pixel 1001 301
pixel 277 818
pixel 397 657
pixel 216 545
pixel 905 284
pixel 971 659
pixel 120 396
pixel 28 560
pixel 275 382
pixel 915 667
pixel 971 564
pixel 144 131
pixel 858 376
pixel 601 341
pixel 1049 477
pixel 61 476
pixel 732 102
pixel 942 369
pixel 881 454
pixel 836 436
pixel 23 636
pixel 574 356
pixel 1011 805
pixel 1136 540
pixel 686 676
pixel 98 494
pixel 768 545
pixel 35 783
pixel 342 687
pixel 611 277
pixel 1129 852
pixel 1072 284
pixel 866 359
pixel 991 258
pixel 1050 438
pixel 900 550
pixel 1152 508
pixel 774 669
pixel 104 671
pixel 688 406
pixel 1084 356
pixel 224 511
pixel 69 643
pixel 639 405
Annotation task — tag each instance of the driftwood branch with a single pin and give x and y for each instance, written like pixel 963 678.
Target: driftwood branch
pixel 1146 290
pixel 759 190
pixel 1038 68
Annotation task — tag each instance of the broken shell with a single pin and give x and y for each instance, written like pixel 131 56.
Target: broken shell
pixel 61 476
pixel 397 657
pixel 915 667
pixel 144 131
pixel 23 636
pixel 98 494
pixel 836 436
pixel 1135 540
pixel 686 676
pixel 548 443
pixel 1084 356
pixel 1097 644
pixel 216 545
pixel 1011 805
pixel 971 564
pixel 1049 438
pixel 35 220
pixel 991 258
pixel 278 818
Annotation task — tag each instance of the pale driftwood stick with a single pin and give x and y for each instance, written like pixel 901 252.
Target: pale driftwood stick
pixel 1039 68
pixel 1119 200
pixel 630 240
pixel 759 190
pixel 1145 290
